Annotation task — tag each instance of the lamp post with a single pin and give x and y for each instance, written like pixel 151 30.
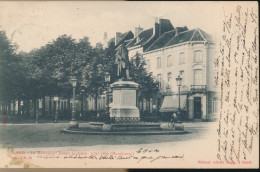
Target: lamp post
pixel 107 80
pixel 178 80
pixel 73 122
pixel 57 109
pixel 82 102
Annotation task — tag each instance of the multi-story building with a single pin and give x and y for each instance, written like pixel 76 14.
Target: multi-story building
pixel 171 52
pixel 190 55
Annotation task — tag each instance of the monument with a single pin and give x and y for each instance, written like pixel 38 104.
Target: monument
pixel 124 114
pixel 124 91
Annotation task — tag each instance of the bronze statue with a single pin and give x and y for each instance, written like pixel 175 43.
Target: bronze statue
pixel 122 61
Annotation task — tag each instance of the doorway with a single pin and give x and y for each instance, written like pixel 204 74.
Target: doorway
pixel 197 107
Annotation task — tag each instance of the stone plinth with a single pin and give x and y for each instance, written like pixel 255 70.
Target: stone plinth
pixel 124 100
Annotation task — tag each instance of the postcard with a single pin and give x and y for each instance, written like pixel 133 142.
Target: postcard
pixel 116 84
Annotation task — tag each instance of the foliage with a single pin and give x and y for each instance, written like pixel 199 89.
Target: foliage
pixel 147 83
pixel 10 70
pixel 47 71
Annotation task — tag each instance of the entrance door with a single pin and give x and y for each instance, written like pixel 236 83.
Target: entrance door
pixel 197 107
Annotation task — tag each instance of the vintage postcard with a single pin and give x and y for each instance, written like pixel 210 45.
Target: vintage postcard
pixel 111 84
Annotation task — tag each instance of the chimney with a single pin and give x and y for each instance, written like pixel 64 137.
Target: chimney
pixel 176 31
pixel 105 43
pixel 138 30
pixel 165 25
pixel 118 37
pixel 156 27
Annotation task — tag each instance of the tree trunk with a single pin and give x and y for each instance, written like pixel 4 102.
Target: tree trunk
pixel 19 107
pixel 27 110
pixel 96 98
pixel 9 107
pixel 43 105
pixel 50 111
pixel 68 107
pixel 14 101
pixel 34 107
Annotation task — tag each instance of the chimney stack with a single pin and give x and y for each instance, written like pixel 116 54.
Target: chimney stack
pixel 165 25
pixel 138 30
pixel 117 37
pixel 156 27
pixel 176 31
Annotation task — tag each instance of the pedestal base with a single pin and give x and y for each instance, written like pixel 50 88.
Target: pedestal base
pixel 74 124
pixel 124 102
pixel 125 111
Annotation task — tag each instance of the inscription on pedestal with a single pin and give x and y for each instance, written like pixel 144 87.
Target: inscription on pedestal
pixel 124 100
pixel 128 97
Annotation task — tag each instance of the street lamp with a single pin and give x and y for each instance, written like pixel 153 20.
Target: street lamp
pixel 107 80
pixel 73 122
pixel 178 80
pixel 82 102
pixel 57 100
pixel 107 77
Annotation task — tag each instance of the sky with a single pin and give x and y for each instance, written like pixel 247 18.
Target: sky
pixel 32 24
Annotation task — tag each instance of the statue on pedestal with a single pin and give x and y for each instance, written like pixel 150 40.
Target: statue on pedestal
pixel 122 61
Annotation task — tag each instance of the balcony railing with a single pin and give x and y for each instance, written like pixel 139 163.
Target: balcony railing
pixel 198 88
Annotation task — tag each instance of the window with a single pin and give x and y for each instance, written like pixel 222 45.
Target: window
pixel 169 79
pixel 169 60
pixel 198 79
pixel 215 105
pixel 148 63
pixel 181 73
pixel 181 58
pixel 159 79
pixel 198 57
pixel 158 62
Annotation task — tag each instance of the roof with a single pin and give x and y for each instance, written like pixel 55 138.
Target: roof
pixel 162 40
pixel 169 38
pixel 181 37
pixel 144 36
pixel 123 37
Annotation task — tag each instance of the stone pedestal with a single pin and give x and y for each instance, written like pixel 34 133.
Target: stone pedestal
pixel 124 101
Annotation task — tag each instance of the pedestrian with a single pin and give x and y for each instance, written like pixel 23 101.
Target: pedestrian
pixel 174 117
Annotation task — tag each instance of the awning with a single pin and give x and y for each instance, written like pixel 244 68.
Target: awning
pixel 171 103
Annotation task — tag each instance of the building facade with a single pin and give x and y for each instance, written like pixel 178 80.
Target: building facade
pixel 186 53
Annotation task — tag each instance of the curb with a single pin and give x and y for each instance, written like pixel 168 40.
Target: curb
pixel 69 131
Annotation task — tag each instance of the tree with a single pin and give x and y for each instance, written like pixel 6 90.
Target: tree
pixel 10 71
pixel 148 86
